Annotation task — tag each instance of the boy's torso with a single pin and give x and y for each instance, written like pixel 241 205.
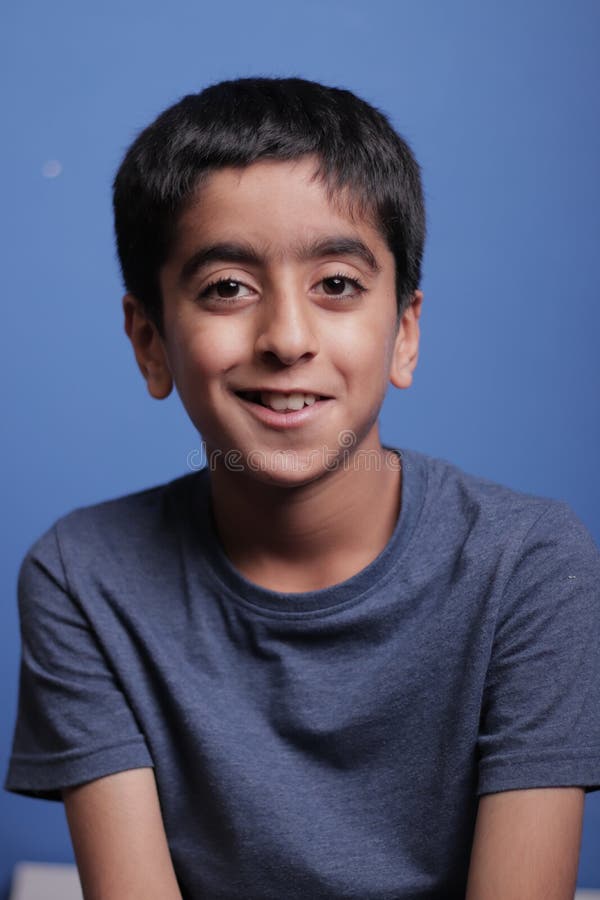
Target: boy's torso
pixel 322 745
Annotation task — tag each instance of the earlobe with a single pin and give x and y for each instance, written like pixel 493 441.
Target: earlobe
pixel 406 346
pixel 148 347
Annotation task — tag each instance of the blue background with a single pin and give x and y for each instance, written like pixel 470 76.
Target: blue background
pixel 500 103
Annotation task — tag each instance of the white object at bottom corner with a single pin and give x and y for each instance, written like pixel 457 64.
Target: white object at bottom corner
pixel 45 881
pixel 53 881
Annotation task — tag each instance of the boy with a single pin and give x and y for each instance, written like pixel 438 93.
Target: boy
pixel 320 667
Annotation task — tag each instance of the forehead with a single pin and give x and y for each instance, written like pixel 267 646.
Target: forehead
pixel 277 206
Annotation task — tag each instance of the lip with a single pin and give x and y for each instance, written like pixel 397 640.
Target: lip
pixel 284 420
pixel 280 390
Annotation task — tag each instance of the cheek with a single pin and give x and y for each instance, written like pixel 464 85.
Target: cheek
pixel 363 348
pixel 207 349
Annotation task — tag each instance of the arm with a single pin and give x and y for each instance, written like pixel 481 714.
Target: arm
pixel 119 838
pixel 526 844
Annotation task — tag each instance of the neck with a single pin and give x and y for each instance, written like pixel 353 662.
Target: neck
pixel 309 536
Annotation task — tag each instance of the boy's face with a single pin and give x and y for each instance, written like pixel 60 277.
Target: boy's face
pixel 273 291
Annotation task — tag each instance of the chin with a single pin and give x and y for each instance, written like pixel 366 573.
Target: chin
pixel 286 469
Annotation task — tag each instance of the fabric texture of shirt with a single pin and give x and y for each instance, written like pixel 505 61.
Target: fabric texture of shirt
pixel 329 744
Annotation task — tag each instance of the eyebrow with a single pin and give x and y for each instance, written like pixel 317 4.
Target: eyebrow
pixel 234 252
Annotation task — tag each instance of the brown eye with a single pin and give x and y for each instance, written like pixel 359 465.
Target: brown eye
pixel 227 288
pixel 334 285
pixel 341 286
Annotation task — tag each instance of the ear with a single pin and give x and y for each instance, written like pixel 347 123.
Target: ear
pixel 406 345
pixel 149 348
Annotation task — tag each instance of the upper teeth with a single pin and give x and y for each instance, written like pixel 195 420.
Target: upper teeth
pixel 280 402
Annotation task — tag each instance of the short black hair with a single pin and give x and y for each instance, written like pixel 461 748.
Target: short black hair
pixel 238 122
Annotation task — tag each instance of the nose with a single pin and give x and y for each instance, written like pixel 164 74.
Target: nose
pixel 286 330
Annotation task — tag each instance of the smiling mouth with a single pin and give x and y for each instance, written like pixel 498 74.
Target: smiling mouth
pixel 281 402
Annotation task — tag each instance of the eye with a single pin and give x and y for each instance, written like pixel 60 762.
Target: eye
pixel 341 286
pixel 225 289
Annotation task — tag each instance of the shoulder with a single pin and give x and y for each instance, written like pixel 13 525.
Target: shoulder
pixel 480 526
pixel 454 495
pixel 134 507
pixel 125 530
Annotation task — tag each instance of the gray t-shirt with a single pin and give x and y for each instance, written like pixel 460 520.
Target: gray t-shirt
pixel 330 744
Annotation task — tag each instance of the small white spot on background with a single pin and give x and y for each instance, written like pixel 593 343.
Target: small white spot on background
pixel 51 168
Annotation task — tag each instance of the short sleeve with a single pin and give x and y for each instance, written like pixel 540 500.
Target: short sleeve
pixel 74 723
pixel 540 721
